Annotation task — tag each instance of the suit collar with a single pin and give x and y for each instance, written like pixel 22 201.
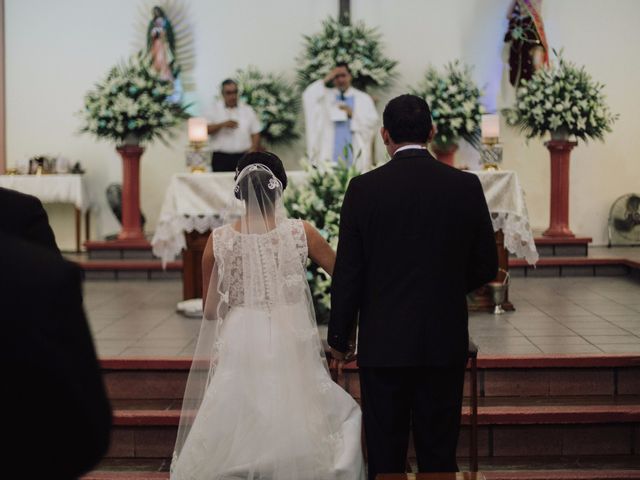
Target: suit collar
pixel 412 152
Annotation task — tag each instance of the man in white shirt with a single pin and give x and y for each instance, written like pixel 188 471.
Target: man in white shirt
pixel 234 129
pixel 341 121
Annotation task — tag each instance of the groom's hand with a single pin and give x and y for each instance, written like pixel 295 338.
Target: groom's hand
pixel 336 355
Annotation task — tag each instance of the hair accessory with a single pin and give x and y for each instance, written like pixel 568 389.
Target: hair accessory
pixel 274 183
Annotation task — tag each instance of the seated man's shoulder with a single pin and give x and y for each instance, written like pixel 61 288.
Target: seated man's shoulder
pixel 18 199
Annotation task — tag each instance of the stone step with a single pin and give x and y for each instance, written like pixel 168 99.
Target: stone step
pixel 125 475
pixel 125 268
pixel 498 376
pixel 587 474
pixel 122 249
pixel 562 247
pixel 523 414
pixel 130 269
pixel 520 475
pixel 574 267
pixel 528 429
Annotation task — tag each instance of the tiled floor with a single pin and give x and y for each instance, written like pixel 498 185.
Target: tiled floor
pixel 553 316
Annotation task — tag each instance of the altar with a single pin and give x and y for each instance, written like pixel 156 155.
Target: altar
pixel 194 204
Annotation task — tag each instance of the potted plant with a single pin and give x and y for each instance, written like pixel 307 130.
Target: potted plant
pixel 274 101
pixel 564 102
pixel 130 107
pixel 454 100
pixel 355 44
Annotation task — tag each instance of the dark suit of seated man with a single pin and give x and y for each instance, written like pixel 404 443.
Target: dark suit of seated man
pixel 56 415
pixel 24 216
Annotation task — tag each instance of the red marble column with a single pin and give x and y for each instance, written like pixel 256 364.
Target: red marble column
pixel 131 228
pixel 560 151
pixel 446 154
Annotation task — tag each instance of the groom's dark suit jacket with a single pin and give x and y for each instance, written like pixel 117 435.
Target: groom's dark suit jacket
pixel 415 238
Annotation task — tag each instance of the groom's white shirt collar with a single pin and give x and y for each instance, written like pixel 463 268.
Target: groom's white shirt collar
pixel 410 147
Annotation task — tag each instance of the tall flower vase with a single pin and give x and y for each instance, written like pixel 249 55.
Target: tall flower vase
pixel 446 154
pixel 560 150
pixel 131 228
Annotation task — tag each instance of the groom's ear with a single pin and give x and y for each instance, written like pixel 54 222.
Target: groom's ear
pixel 384 133
pixel 432 133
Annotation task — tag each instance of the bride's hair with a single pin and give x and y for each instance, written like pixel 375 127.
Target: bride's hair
pixel 269 160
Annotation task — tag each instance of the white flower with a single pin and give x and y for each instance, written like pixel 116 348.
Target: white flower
pixel 555 121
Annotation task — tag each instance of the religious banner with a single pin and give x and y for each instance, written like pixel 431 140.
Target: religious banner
pixel 528 50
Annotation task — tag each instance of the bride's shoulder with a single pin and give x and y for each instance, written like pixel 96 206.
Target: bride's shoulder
pixel 222 230
pixel 301 229
pixel 221 236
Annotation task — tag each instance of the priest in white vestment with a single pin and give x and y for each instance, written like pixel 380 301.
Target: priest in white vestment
pixel 341 121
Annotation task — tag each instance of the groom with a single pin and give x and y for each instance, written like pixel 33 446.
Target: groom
pixel 415 238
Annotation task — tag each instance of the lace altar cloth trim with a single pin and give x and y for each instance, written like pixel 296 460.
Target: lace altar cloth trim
pixel 191 193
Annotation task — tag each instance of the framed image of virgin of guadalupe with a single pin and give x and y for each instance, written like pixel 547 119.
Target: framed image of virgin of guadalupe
pixel 167 37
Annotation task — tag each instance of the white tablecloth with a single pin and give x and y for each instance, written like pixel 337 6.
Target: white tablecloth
pixel 55 188
pixel 508 208
pixel 194 202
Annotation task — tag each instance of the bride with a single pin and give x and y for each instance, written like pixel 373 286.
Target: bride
pixel 259 402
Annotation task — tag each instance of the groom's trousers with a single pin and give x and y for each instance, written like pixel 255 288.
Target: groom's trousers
pixel 425 400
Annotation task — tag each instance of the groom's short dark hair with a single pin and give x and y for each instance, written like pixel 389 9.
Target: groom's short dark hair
pixel 407 118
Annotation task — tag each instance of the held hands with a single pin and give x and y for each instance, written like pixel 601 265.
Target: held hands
pixel 230 124
pixel 338 359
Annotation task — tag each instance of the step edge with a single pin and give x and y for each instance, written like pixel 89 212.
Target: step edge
pixel 484 362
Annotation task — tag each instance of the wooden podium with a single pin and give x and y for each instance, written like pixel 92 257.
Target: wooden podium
pixel 192 264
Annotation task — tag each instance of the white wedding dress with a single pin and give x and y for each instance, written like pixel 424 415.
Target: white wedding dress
pixel 260 403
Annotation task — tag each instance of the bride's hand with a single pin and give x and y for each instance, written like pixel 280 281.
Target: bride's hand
pixel 336 365
pixel 337 361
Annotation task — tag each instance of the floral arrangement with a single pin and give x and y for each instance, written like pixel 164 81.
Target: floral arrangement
pixel 274 101
pixel 454 100
pixel 319 202
pixel 132 104
pixel 563 100
pixel 355 44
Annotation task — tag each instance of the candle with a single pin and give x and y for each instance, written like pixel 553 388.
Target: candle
pixel 197 130
pixel 490 126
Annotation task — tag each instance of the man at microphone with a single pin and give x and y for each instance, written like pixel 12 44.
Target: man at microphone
pixel 341 121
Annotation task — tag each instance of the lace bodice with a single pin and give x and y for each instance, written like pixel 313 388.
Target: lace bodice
pixel 261 270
